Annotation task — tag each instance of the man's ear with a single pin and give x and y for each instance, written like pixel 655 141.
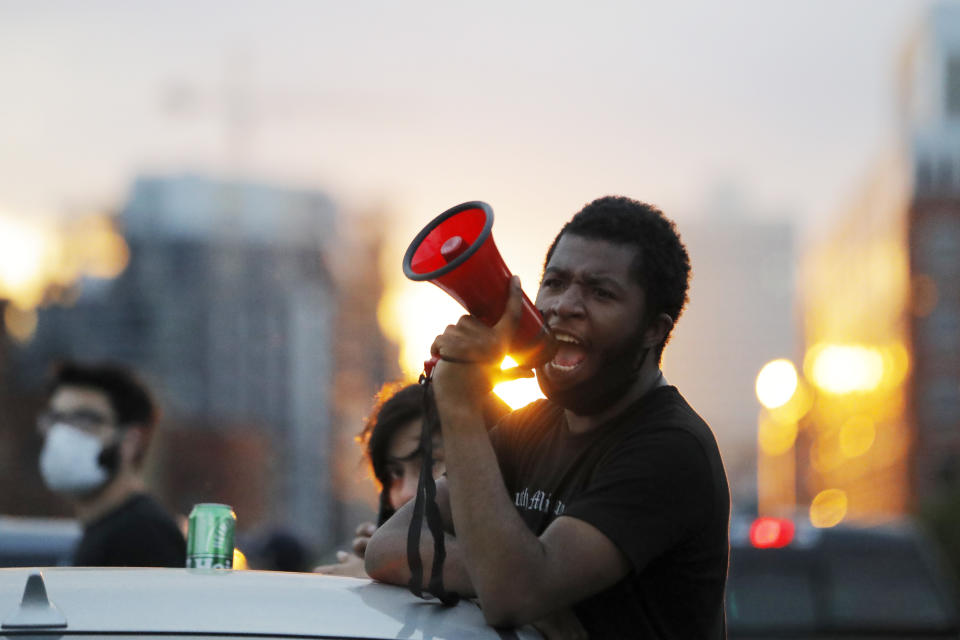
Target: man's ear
pixel 657 330
pixel 133 444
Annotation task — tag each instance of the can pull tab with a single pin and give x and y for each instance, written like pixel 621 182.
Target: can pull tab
pixel 35 609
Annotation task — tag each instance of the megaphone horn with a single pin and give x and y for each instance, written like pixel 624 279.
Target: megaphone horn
pixel 456 252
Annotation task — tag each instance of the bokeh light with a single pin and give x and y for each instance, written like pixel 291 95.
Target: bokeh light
pixel 828 508
pixel 771 533
pixel 776 383
pixel 841 369
pixel 26 251
pixel 239 560
pixel 42 257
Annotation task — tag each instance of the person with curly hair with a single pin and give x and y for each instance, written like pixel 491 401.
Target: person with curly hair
pixel 603 510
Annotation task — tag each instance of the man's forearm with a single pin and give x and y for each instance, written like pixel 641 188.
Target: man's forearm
pixel 386 556
pixel 505 561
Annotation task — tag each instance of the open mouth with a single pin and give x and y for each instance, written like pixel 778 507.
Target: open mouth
pixel 570 353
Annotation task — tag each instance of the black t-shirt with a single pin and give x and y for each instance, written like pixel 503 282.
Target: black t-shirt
pixel 652 481
pixel 138 533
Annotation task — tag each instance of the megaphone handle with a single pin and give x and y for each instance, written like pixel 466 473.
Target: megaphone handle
pixel 428 366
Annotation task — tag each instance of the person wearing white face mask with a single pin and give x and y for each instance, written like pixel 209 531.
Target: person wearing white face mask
pixel 96 431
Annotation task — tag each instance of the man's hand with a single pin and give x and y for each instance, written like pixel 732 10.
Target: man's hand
pixel 348 564
pixel 386 555
pixel 364 531
pixel 470 352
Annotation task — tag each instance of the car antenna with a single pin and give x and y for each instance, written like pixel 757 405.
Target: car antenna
pixel 35 609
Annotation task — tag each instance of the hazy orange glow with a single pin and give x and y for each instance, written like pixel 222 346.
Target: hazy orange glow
pixel 775 437
pixel 857 436
pixel 517 393
pixel 845 368
pixel 797 406
pixel 40 259
pixel 852 368
pixel 858 299
pixel 27 250
pixel 825 454
pixel 93 248
pixel 239 560
pixel 413 314
pixel 40 256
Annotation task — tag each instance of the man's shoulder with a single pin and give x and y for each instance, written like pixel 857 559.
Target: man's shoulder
pixel 139 532
pixel 537 412
pixel 526 426
pixel 666 408
pixel 666 417
pixel 138 511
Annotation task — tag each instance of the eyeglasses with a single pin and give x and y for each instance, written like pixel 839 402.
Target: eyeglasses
pixel 84 419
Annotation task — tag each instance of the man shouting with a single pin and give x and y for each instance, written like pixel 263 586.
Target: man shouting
pixel 602 510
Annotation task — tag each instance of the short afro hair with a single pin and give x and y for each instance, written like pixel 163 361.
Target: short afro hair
pixel 129 397
pixel 661 265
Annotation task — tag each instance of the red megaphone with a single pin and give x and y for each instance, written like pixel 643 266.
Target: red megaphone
pixel 456 252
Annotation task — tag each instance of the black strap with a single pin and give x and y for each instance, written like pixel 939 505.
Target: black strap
pixel 425 504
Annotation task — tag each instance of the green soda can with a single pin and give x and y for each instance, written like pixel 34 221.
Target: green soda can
pixel 210 536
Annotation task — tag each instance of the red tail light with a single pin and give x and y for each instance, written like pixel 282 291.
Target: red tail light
pixel 771 533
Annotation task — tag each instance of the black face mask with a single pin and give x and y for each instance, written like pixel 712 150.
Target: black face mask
pixel 109 458
pixel 619 371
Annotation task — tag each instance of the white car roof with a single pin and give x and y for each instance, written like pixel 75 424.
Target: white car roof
pixel 225 602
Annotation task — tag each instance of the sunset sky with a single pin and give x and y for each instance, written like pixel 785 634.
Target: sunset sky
pixel 413 107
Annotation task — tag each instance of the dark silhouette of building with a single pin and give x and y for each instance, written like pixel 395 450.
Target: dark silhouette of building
pixel 230 311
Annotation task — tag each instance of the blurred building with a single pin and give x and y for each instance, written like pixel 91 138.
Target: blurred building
pixel 882 311
pixel 931 118
pixel 852 453
pixel 741 314
pixel 230 309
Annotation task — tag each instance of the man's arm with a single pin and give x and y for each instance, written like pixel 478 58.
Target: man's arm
pixel 386 554
pixel 517 576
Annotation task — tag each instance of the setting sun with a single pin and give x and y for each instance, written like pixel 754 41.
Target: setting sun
pixel 413 315
pixel 517 393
